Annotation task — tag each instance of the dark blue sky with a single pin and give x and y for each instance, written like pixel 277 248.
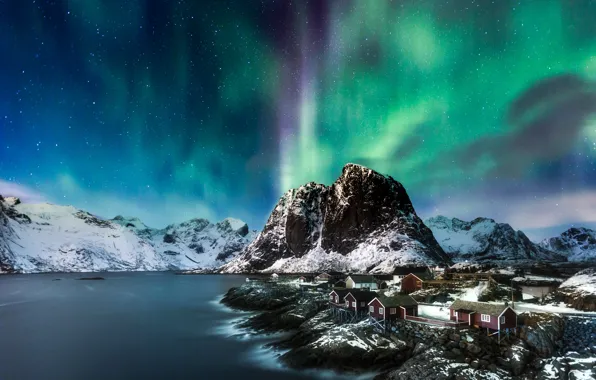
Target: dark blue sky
pixel 172 110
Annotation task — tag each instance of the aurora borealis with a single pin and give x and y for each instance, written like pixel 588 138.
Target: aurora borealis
pixel 169 110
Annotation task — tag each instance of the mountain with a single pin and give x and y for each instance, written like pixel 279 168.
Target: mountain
pixel 363 222
pixel 53 238
pixel 484 240
pixel 578 244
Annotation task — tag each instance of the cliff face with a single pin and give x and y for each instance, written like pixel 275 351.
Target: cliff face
pixel 364 221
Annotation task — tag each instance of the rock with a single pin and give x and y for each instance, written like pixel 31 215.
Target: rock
pixel 541 332
pixel 454 337
pixel 474 349
pixel 361 210
pixel 456 351
pixel 475 364
pixel 419 348
pixel 518 357
pixel 462 345
pixel 492 368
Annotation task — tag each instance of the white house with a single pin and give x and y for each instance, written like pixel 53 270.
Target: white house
pixel 361 281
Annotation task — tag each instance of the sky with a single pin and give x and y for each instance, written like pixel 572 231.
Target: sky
pixel 170 110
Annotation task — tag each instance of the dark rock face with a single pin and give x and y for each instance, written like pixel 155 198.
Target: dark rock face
pixel 361 207
pixel 542 332
pixel 169 238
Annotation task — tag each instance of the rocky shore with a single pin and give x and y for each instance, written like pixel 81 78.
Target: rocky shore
pixel 548 346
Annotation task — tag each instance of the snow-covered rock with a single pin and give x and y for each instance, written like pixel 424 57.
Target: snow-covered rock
pixel 578 244
pixel 579 291
pixel 53 238
pixel 364 222
pixel 484 240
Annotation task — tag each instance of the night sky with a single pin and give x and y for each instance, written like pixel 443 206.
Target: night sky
pixel 169 110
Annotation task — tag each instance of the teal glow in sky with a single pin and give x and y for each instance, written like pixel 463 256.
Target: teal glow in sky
pixel 172 110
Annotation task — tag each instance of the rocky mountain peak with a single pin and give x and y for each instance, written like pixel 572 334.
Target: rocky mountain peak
pixel 362 212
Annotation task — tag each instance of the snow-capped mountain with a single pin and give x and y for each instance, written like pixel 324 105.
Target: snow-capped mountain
pixel 204 243
pixel 578 244
pixel 484 240
pixel 364 222
pixel 53 238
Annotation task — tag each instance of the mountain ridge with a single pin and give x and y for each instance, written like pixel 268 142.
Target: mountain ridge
pixel 53 238
pixel 484 240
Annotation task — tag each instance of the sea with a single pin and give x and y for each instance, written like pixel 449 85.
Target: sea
pixel 141 325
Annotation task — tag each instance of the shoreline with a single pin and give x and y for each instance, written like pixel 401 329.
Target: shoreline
pixel 354 350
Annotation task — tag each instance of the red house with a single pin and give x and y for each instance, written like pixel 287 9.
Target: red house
pixel 413 281
pixel 336 297
pixel 389 308
pixel 483 315
pixel 357 300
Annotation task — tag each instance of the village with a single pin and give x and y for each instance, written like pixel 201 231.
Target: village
pixel 384 300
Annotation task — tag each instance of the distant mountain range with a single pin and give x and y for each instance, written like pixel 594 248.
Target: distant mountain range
pixel 363 222
pixel 484 240
pixel 52 238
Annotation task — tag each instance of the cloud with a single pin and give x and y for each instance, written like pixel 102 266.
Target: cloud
pixel 25 193
pixel 546 122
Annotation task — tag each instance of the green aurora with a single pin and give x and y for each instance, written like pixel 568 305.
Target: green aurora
pixel 171 110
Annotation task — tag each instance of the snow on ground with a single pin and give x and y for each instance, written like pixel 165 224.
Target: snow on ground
pixel 582 283
pixel 561 308
pixel 359 260
pixel 435 312
pixel 472 294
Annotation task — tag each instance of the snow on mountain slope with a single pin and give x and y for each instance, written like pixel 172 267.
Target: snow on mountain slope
pixel 578 244
pixel 53 238
pixel 363 222
pixel 485 240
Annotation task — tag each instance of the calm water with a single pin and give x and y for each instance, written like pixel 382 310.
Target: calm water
pixel 130 326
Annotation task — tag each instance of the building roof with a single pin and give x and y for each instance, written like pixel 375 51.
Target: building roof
pixel 420 275
pixel 383 277
pixel 323 275
pixel 362 295
pixel 478 307
pixel 362 279
pixel 402 271
pixel 340 292
pixel 397 300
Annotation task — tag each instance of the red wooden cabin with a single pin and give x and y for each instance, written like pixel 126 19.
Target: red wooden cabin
pixel 483 315
pixel 357 300
pixel 389 308
pixel 336 297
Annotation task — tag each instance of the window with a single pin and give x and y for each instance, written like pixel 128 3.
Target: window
pixel 381 311
pixel 362 303
pixel 331 297
pixel 502 319
pixel 347 303
pixel 485 317
pixel 392 310
pixel 455 314
pixel 371 309
pixel 353 304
